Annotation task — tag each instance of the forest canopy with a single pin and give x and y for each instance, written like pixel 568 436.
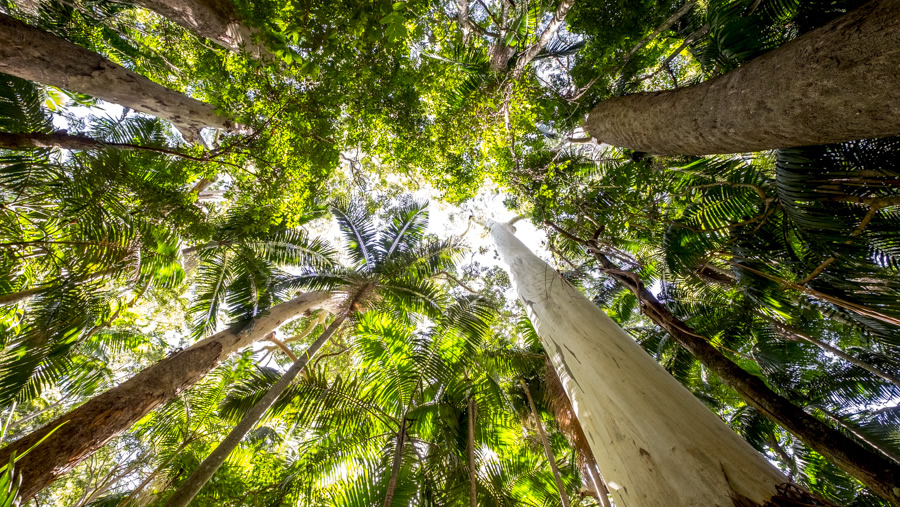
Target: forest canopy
pixel 488 252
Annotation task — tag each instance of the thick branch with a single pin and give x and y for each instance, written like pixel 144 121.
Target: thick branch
pixel 558 17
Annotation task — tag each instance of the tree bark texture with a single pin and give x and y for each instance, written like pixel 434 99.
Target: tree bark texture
pixel 656 443
pixel 548 451
pixel 871 468
pixel 204 472
pixel 217 20
pixel 90 426
pixel 36 55
pixel 834 84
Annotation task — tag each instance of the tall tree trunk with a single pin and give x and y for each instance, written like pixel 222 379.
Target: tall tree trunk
pixel 548 451
pixel 78 142
pixel 473 483
pixel 571 428
pixel 35 55
pixel 827 86
pixel 90 426
pixel 396 464
pixel 195 482
pixel 600 485
pixel 656 443
pixel 217 20
pixel 871 468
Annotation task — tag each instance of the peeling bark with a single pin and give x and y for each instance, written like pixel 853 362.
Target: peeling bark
pixel 36 55
pixel 90 426
pixel 831 85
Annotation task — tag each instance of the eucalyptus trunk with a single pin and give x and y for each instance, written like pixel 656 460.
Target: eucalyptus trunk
pixel 36 55
pixel 563 497
pixel 656 443
pixel 830 85
pixel 195 482
pixel 217 20
pixel 90 426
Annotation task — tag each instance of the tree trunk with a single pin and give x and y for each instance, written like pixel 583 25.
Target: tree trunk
pixel 58 139
pixel 79 142
pixel 548 451
pixel 656 443
pixel 217 20
pixel 870 468
pixel 571 428
pixel 195 482
pixel 473 483
pixel 830 85
pixel 35 55
pixel 90 426
pixel 396 465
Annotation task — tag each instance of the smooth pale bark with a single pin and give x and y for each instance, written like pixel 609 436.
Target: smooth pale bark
pixel 217 20
pixel 36 55
pixel 90 426
pixel 548 451
pixel 656 443
pixel 559 15
pixel 195 482
pixel 830 85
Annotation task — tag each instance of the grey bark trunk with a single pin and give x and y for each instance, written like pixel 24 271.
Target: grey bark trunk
pixel 656 443
pixel 830 85
pixel 548 451
pixel 90 426
pixel 217 20
pixel 195 482
pixel 35 55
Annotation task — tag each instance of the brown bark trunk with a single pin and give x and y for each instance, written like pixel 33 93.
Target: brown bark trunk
pixel 830 85
pixel 59 139
pixel 90 426
pixel 473 484
pixel 571 428
pixel 396 465
pixel 564 498
pixel 185 493
pixel 217 20
pixel 871 468
pixel 35 55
